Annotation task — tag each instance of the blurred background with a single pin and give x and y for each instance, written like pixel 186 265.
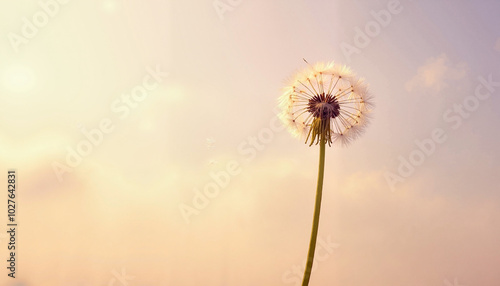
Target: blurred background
pixel 147 149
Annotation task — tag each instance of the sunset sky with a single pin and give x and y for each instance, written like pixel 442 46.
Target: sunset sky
pixel 148 150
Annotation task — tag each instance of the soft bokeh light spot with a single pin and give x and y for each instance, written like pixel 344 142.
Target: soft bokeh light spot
pixel 18 78
pixel 172 92
pixel 110 5
pixel 148 124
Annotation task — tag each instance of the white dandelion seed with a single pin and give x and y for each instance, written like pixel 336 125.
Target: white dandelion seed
pixel 330 92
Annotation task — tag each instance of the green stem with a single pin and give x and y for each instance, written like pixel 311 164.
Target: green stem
pixel 317 208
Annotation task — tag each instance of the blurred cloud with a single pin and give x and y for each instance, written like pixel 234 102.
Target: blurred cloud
pixel 436 74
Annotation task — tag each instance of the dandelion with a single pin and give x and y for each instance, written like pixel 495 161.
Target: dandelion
pixel 325 103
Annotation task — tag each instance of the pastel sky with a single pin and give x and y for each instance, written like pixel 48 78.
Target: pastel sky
pixel 179 99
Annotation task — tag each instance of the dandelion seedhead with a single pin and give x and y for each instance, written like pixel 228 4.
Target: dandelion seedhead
pixel 326 102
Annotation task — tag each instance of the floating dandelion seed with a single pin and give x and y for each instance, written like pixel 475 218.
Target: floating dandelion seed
pixel 329 94
pixel 325 103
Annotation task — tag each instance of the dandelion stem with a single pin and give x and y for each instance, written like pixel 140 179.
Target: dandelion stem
pixel 317 208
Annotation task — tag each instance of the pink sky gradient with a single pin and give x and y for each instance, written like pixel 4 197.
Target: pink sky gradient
pixel 120 208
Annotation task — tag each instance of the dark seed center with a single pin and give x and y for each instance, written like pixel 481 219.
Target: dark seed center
pixel 323 106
